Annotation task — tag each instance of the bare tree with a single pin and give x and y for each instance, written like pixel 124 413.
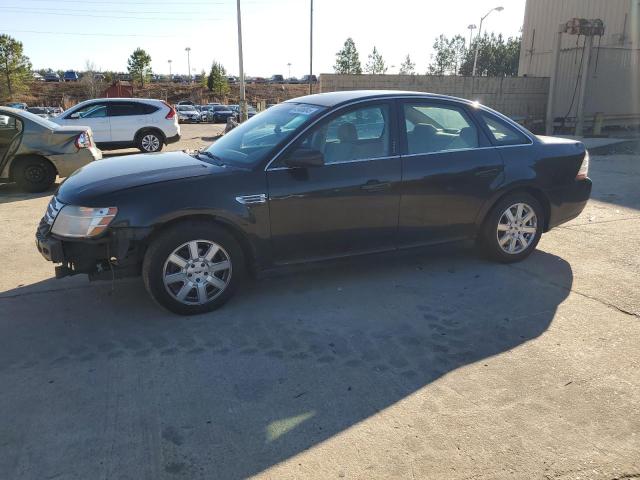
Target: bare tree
pixel 90 81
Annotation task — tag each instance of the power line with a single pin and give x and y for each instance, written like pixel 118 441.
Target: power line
pixel 74 10
pixel 112 2
pixel 87 34
pixel 128 17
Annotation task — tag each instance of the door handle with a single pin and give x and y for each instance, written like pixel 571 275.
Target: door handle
pixel 488 172
pixel 375 185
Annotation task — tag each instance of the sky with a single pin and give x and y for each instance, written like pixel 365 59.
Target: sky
pixel 65 34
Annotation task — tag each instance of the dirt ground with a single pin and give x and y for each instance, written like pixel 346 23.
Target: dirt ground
pixel 427 364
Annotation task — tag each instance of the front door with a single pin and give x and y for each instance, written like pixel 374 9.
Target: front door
pixel 449 170
pixel 94 115
pixel 348 205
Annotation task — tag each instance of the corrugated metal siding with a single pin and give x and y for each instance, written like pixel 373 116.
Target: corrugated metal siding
pixel 544 17
pixel 614 87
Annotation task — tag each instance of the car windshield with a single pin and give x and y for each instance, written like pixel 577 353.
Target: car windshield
pixel 186 108
pixel 252 141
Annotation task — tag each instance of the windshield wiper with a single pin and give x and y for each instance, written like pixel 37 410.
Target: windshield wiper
pixel 216 160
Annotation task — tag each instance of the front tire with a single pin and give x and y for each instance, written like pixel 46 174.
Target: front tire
pixel 34 174
pixel 194 267
pixel 149 142
pixel 513 228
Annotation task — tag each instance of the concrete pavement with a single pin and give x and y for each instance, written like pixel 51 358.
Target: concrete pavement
pixel 424 364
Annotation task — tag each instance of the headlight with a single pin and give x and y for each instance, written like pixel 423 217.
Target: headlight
pixel 82 222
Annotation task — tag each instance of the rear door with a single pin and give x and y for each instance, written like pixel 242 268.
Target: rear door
pixel 449 170
pixel 127 118
pixel 11 129
pixel 94 115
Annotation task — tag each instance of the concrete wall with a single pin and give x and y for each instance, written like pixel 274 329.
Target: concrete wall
pixel 523 99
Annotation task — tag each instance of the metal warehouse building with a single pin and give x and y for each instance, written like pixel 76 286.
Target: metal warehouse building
pixel 612 92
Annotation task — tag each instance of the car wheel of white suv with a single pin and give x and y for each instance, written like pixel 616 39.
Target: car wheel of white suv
pixel 149 141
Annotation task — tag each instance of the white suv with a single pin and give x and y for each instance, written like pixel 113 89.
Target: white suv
pixel 125 122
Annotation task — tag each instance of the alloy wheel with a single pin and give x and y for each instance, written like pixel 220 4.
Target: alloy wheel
pixel 150 143
pixel 517 228
pixel 197 272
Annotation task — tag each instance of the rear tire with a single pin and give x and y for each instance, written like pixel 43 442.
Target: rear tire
pixel 182 274
pixel 513 228
pixel 34 174
pixel 149 141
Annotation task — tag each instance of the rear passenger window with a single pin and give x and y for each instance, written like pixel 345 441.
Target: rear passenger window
pixel 503 134
pixel 433 128
pixel 130 108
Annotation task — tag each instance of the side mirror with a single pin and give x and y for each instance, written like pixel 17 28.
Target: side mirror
pixel 304 158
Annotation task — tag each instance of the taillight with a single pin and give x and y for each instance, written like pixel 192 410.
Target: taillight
pixel 83 140
pixel 583 173
pixel 172 112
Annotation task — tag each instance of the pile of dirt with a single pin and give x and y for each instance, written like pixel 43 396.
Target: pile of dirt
pixel 67 94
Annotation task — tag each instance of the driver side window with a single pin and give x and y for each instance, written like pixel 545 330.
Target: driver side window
pixel 360 134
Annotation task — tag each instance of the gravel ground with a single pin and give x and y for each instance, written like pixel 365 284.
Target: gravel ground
pixel 425 364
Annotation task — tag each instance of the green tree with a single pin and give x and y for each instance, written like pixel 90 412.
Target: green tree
pixel 15 67
pixel 347 59
pixel 497 57
pixel 442 58
pixel 217 81
pixel 375 63
pixel 139 65
pixel 407 67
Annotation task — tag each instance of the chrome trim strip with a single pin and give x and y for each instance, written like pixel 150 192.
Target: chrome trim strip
pixel 252 199
pixel 358 160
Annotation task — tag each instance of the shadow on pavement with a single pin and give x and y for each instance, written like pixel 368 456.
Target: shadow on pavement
pixel 10 192
pixel 106 383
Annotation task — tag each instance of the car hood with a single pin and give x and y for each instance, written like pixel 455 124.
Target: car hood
pixel 119 173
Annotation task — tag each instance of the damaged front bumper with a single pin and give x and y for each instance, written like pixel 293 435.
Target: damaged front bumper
pixel 114 255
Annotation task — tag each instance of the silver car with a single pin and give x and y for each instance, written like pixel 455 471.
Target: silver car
pixel 34 150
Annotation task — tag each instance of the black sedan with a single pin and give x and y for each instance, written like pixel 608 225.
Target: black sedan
pixel 317 177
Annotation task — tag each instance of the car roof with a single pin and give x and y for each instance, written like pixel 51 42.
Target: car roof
pixel 123 99
pixel 333 99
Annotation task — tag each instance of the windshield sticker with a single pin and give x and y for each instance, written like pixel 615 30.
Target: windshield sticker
pixel 304 110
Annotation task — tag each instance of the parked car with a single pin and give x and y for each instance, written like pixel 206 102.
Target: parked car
pixel 34 150
pixel 188 114
pixel 232 80
pixel 220 113
pixel 70 76
pixel 51 77
pixel 99 77
pixel 309 79
pixel 40 111
pixel 37 77
pixel 17 105
pixel 293 80
pixel 276 79
pixel 320 176
pixel 145 124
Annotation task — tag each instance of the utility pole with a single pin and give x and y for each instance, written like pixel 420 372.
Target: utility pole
pixel 289 65
pixel 311 51
pixel 471 28
pixel 583 85
pixel 243 101
pixel 188 50
pixel 169 68
pixel 553 81
pixel 475 59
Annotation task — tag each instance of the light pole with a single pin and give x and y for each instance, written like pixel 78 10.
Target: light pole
pixel 471 28
pixel 475 60
pixel 243 102
pixel 188 50
pixel 289 65
pixel 311 51
pixel 169 61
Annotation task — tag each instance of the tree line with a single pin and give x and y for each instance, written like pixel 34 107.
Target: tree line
pixel 497 57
